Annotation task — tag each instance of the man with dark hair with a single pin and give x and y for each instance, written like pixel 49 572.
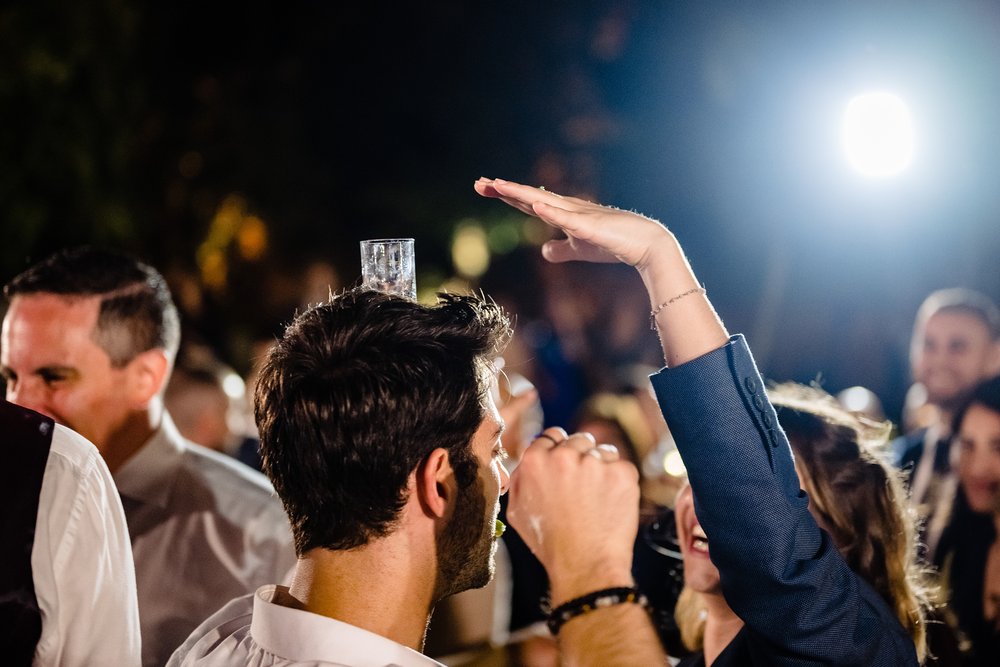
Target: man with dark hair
pixel 955 346
pixel 89 340
pixel 380 434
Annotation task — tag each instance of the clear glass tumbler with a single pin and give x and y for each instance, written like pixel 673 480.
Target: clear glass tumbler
pixel 387 265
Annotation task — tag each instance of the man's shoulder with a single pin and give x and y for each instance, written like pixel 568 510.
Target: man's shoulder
pixel 72 454
pixel 227 476
pixel 222 631
pixel 906 448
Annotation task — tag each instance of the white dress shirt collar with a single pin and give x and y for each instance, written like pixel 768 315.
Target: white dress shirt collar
pixel 148 475
pixel 302 636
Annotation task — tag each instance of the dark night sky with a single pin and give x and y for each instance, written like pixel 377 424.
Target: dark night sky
pixel 338 122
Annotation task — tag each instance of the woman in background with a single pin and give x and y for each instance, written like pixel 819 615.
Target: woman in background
pixel 968 554
pixel 853 495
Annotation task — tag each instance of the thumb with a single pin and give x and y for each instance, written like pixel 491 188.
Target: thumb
pixel 559 250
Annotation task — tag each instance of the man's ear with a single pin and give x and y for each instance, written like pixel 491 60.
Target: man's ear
pixel 146 375
pixel 436 485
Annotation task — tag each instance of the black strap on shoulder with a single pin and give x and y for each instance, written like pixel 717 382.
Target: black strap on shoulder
pixel 25 439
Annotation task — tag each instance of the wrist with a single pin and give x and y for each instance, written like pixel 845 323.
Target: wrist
pixel 572 582
pixel 666 269
pixel 662 251
pixel 597 600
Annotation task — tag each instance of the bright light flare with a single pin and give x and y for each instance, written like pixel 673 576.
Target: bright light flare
pixel 234 386
pixel 878 134
pixel 673 464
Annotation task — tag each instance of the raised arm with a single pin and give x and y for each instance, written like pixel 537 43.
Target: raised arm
pixel 780 572
pixel 685 319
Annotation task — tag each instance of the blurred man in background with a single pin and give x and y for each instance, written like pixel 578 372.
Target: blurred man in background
pixel 89 340
pixel 955 346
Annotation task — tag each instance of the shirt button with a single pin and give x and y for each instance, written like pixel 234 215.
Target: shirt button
pixel 758 402
pixel 751 385
pixel 766 418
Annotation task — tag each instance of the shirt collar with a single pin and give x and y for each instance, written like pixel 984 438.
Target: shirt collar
pixel 302 636
pixel 148 475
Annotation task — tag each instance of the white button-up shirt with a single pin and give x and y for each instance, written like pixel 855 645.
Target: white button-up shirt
pixel 81 562
pixel 260 630
pixel 205 529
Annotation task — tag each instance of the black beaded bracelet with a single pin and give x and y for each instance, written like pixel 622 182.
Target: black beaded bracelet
pixel 601 599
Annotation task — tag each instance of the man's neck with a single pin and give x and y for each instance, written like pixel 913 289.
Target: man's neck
pixel 385 587
pixel 721 626
pixel 942 427
pixel 129 437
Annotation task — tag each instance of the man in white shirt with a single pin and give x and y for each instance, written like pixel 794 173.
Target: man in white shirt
pixel 63 510
pixel 379 432
pixel 89 340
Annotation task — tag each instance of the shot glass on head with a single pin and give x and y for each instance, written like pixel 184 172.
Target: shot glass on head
pixel 387 265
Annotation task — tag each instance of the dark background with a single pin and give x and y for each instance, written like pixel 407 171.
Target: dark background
pixel 245 149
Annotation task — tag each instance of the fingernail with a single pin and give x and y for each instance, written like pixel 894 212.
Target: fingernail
pixel 499 180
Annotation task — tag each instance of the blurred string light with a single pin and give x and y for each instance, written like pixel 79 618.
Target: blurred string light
pixel 233 385
pixel 536 232
pixel 231 225
pixel 664 459
pixel 878 134
pixel 673 465
pixel 470 250
pixel 473 246
pixel 503 237
pixel 863 401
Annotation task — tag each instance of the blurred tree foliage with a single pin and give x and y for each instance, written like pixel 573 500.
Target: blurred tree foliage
pixel 233 145
pixel 71 97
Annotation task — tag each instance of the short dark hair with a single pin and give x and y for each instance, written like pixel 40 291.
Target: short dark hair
pixel 986 394
pixel 361 389
pixel 135 299
pixel 963 300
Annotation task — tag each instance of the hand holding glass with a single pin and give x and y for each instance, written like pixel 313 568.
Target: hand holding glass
pixel 387 266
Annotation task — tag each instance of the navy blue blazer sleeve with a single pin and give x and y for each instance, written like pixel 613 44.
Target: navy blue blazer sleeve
pixel 780 572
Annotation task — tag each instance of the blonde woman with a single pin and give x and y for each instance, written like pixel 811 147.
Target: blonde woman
pixel 853 495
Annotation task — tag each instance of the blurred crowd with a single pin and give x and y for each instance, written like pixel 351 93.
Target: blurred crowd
pixel 587 355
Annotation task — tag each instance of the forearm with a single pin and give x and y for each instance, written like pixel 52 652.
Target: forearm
pixel 688 325
pixel 619 635
pixel 738 460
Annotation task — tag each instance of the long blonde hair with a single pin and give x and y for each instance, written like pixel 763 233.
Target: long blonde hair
pixel 690 614
pixel 858 498
pixel 855 496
